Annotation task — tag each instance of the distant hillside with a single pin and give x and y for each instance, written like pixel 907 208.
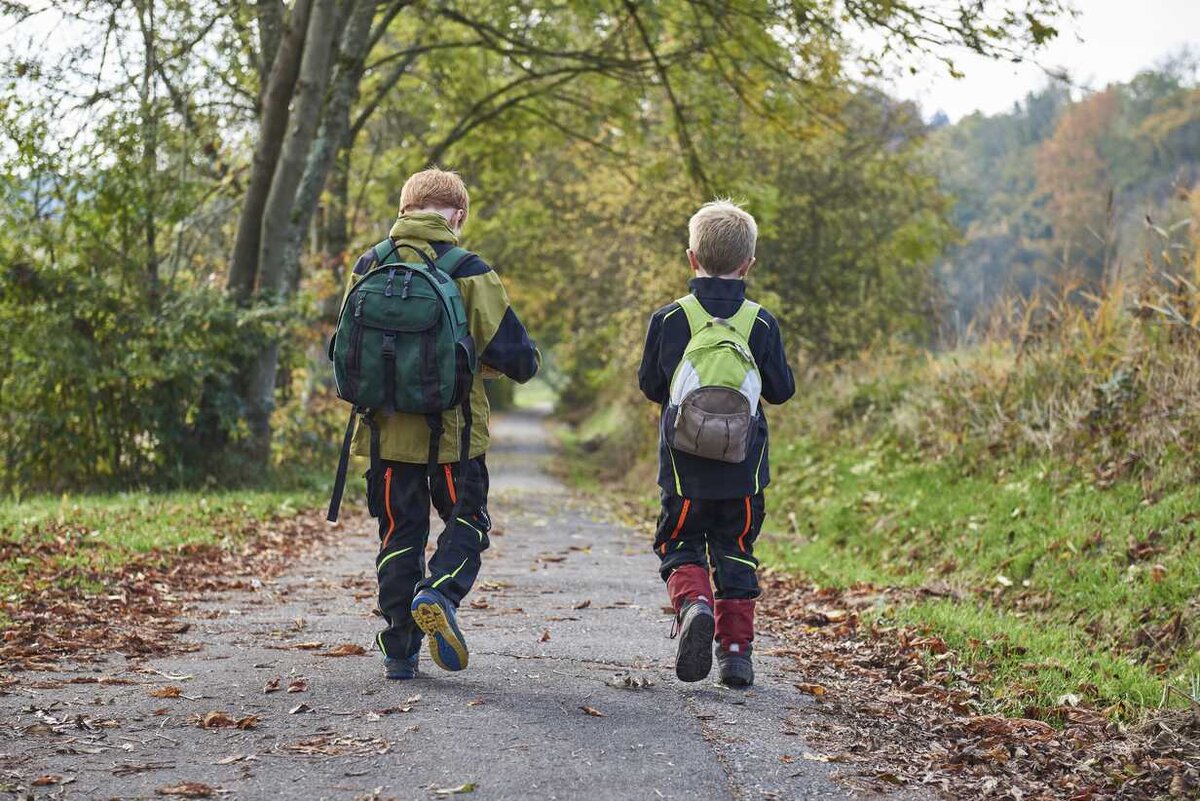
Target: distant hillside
pixel 1062 189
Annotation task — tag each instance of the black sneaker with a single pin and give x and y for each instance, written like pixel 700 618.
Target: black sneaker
pixel 695 626
pixel 735 667
pixel 400 668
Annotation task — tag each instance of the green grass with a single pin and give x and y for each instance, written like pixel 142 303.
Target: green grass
pixel 106 532
pixel 1051 599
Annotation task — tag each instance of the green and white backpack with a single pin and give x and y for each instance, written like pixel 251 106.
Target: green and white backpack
pixel 716 387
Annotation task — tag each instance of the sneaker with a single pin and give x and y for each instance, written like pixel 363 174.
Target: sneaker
pixel 436 617
pixel 693 658
pixel 400 668
pixel 734 666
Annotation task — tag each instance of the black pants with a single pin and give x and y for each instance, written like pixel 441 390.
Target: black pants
pixel 697 531
pixel 398 496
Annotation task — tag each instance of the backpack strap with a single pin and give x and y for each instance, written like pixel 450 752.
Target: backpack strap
pixel 697 317
pixel 388 252
pixel 452 259
pixel 743 319
pixel 339 481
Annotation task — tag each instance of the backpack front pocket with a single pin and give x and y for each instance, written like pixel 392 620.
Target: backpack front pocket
pixel 713 423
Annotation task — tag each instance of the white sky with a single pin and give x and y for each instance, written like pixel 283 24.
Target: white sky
pixel 1109 41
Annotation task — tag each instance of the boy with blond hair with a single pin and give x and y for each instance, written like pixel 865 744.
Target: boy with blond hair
pixel 709 359
pixel 412 467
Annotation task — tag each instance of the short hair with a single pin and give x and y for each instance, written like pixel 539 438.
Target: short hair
pixel 434 189
pixel 722 235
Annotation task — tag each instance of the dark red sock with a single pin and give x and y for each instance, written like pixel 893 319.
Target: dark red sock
pixel 689 583
pixel 735 623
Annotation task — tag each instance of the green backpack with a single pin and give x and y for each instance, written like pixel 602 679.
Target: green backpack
pixel 716 387
pixel 402 345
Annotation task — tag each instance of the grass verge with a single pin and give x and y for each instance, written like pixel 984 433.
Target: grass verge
pixel 1056 590
pixel 106 532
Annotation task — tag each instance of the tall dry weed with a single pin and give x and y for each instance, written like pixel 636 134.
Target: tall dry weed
pixel 1106 377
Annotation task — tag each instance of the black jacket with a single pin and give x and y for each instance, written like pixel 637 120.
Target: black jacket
pixel 668 336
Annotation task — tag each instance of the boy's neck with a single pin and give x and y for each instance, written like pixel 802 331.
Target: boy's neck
pixel 726 277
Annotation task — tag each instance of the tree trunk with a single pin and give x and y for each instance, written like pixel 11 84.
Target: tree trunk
pixel 335 124
pixel 337 232
pixel 145 12
pixel 272 127
pixel 306 114
pixel 259 381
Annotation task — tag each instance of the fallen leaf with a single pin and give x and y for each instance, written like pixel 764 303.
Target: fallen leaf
pixel 298 686
pixel 216 720
pixel 188 790
pixel 479 603
pixel 46 781
pixel 812 689
pixel 346 649
pixel 229 760
pixel 545 636
pixel 591 710
pixel 272 685
pixel 299 709
pixel 584 604
pixel 630 682
pixel 475 702
pixel 309 646
pixel 469 787
pixel 170 691
pixel 1158 572
pixel 248 722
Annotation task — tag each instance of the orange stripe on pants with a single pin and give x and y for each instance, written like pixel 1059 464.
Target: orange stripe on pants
pixel 746 530
pixel 387 505
pixel 682 516
pixel 450 484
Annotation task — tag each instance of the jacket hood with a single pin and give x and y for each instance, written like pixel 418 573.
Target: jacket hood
pixel 422 226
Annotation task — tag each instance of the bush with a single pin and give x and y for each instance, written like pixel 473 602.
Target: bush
pixel 105 387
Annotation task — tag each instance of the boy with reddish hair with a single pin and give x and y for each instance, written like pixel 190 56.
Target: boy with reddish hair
pixel 713 462
pixel 414 601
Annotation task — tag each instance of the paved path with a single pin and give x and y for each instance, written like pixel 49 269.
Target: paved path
pixel 568 614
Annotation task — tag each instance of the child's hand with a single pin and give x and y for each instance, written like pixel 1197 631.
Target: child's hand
pixel 488 373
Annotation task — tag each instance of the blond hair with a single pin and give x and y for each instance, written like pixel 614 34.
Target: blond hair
pixel 722 235
pixel 434 189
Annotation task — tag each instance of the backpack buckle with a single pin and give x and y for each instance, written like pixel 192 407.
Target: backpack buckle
pixel 389 347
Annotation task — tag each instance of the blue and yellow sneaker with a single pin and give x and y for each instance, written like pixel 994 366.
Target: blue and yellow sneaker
pixel 435 616
pixel 400 668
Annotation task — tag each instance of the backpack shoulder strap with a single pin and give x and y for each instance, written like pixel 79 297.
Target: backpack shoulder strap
pixel 697 317
pixel 385 250
pixel 743 319
pixel 452 259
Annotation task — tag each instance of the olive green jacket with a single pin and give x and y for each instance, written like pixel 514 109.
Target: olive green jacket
pixel 500 340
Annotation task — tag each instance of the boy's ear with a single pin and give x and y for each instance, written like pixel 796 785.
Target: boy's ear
pixel 745 268
pixel 696 268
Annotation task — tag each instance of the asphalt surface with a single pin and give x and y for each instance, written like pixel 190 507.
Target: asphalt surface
pixel 570 616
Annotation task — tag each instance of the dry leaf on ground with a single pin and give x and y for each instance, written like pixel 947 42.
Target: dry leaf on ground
pixel 591 710
pixel 469 787
pixel 188 790
pixel 170 691
pixel 346 649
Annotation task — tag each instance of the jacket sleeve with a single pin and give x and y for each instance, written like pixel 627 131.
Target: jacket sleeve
pixel 500 338
pixel 650 375
pixel 778 382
